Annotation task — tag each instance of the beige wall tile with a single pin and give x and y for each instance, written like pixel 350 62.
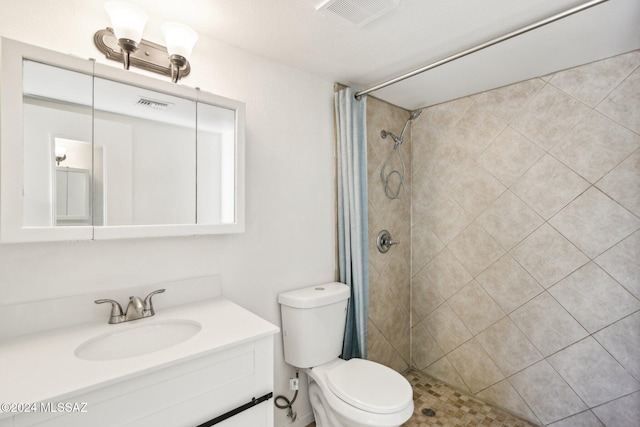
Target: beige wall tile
pixel 623 104
pixel 509 156
pixel 549 186
pixel 591 83
pixel 621 412
pixel 622 262
pixel 447 162
pixel 583 419
pixel 425 188
pixel 509 220
pixel 444 370
pixel 592 373
pixel 425 245
pixel 395 278
pixel 390 273
pixel 623 183
pixel 622 341
pixel 594 223
pixel 441 118
pixel 474 366
pixel 593 298
pixel 447 274
pixel 509 284
pixel 507 101
pixel 549 116
pixel 547 325
pixel 476 130
pixel 548 256
pixel 425 297
pixel 508 347
pixel 595 146
pixel 446 328
pixel 475 189
pixel 392 319
pixel 425 350
pixel 381 351
pixel 476 249
pixel 546 393
pixel 475 308
pixel 446 218
pixel 503 395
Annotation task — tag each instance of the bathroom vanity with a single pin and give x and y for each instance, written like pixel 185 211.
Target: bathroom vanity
pixel 207 362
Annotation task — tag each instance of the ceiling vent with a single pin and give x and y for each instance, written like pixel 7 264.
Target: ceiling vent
pixel 156 105
pixel 358 12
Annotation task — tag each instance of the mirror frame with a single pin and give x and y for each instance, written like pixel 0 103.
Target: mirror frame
pixel 12 54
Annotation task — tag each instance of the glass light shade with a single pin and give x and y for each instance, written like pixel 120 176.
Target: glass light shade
pixel 128 20
pixel 180 39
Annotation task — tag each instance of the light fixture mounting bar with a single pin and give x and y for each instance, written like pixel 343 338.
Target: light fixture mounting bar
pixel 149 56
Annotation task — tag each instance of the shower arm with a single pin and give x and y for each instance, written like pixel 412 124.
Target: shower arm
pixel 484 45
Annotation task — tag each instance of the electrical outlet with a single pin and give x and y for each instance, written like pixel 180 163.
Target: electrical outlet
pixel 293 383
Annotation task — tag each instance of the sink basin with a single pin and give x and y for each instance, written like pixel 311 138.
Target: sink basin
pixel 137 340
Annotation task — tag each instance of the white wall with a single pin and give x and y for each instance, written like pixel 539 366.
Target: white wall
pixel 289 240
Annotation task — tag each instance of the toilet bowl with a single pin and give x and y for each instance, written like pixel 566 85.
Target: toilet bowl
pixel 343 393
pixel 358 393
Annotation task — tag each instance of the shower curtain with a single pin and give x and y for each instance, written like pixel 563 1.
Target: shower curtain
pixel 353 248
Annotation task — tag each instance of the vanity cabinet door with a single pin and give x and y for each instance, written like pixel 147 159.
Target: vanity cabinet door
pixel 183 395
pixel 257 416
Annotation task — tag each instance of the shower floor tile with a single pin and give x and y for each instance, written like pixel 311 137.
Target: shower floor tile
pixel 452 408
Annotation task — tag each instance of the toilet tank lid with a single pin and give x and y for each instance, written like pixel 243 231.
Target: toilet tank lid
pixel 315 296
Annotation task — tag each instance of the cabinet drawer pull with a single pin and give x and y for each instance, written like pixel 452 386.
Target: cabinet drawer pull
pixel 231 413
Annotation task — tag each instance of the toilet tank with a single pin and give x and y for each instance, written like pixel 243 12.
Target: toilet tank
pixel 313 321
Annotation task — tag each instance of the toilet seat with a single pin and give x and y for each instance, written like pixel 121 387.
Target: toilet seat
pixel 370 386
pixel 348 414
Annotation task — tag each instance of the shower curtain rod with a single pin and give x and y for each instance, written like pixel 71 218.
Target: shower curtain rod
pixel 486 44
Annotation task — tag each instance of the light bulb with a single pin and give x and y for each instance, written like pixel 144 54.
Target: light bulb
pixel 180 39
pixel 128 20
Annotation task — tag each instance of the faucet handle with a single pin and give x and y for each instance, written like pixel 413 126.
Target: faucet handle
pixel 148 304
pixel 116 310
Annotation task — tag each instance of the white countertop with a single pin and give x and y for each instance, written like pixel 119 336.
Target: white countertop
pixel 42 366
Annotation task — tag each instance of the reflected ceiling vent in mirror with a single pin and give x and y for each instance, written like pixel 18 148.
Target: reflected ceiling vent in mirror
pixel 156 105
pixel 358 12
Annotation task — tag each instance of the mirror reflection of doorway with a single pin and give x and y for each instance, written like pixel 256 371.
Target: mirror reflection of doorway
pixel 72 182
pixel 72 196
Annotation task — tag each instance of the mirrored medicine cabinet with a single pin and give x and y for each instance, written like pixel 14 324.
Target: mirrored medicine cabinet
pixel 89 151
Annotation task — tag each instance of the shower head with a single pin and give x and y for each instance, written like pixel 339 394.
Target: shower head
pixel 399 139
pixel 414 115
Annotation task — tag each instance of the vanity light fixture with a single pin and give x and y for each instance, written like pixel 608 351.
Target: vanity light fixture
pixel 124 42
pixel 180 40
pixel 128 22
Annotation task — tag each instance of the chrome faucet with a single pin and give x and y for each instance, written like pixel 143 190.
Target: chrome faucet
pixel 137 308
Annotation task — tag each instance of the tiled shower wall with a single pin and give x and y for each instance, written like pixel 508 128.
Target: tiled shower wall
pixel 390 273
pixel 526 246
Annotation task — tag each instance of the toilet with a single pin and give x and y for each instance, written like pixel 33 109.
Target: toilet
pixel 343 393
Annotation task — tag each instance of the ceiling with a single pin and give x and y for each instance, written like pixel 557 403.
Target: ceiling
pixel 414 34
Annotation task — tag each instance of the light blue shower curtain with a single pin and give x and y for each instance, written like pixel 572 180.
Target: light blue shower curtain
pixel 353 247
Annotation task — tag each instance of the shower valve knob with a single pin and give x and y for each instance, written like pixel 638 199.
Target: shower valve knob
pixel 384 241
